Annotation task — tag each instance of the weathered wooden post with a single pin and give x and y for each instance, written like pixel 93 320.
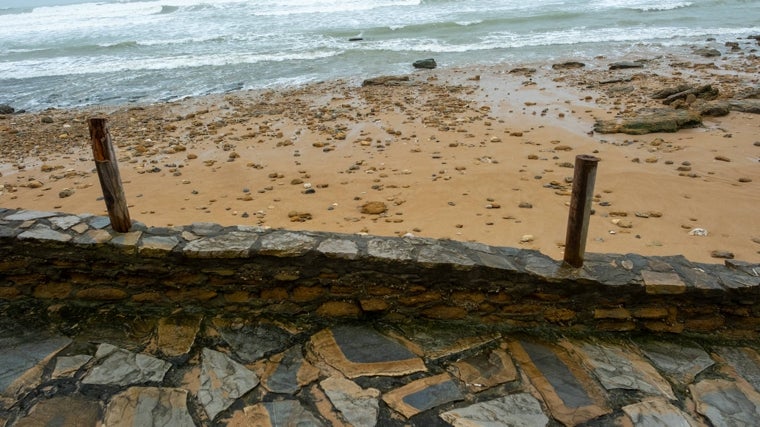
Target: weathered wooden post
pixel 580 209
pixel 108 173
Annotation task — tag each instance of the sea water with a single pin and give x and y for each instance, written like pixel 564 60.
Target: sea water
pixel 67 53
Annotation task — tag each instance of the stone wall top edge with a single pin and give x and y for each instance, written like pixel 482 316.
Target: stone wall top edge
pixel 655 274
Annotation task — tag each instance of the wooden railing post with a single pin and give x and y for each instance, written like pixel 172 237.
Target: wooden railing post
pixel 580 209
pixel 108 173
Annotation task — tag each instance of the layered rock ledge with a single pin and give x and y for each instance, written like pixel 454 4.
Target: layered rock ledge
pixel 49 258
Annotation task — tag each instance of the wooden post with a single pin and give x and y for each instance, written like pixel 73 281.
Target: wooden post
pixel 580 209
pixel 108 173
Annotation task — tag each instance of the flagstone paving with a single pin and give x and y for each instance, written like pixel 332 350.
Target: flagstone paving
pixel 187 369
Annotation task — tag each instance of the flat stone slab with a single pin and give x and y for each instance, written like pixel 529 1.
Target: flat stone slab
pixel 223 381
pixel 359 351
pixel 68 366
pixel 65 222
pixel 726 403
pixel 621 368
pixel 423 394
pixel 435 342
pixel 514 410
pixel 680 362
pixel 40 232
pixel 286 244
pixel 148 406
pixel 569 392
pixel 175 335
pixel 282 413
pixel 745 362
pixel 22 359
pixel 358 406
pixel 26 215
pixel 485 370
pixel 63 411
pixel 252 342
pixel 391 249
pixel 663 283
pixel 287 372
pixel 120 367
pixel 231 245
pixel 339 248
pixel 658 412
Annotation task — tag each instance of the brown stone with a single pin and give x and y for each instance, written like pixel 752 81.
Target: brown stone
pixel 52 290
pixel 8 292
pixel 176 334
pixel 617 313
pixel 559 315
pixel 274 294
pixel 339 309
pixel 306 294
pixel 443 312
pixel 373 305
pixel 486 370
pixel 650 313
pixel 659 283
pixel 381 291
pixel 467 299
pixel 102 294
pixel 374 208
pixel 147 297
pixel 237 297
pixel 656 326
pixel 709 324
pixel 415 300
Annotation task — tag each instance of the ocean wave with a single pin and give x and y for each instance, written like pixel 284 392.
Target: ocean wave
pixel 165 10
pixel 643 5
pixel 15 10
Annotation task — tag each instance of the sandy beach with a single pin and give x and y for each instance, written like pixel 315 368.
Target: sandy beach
pixel 479 154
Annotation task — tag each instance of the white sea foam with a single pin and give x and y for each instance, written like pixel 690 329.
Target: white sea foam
pixel 68 52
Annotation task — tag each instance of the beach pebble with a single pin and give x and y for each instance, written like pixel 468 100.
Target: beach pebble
pixel 722 254
pixel 698 232
pixel 66 192
pixel 374 208
pixel 745 179
pixel 525 205
pixel 722 158
pixel 527 238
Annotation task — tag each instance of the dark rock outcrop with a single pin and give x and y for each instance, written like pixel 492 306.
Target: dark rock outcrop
pixel 650 121
pixel 427 64
pixel 622 65
pixel 385 81
pixel 6 109
pixel 570 65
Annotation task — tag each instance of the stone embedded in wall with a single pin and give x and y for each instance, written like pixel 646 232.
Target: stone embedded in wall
pixel 223 381
pixel 41 232
pixel 662 283
pixel 423 394
pixel 485 370
pixel 68 366
pixel 680 362
pixel 726 403
pixel 63 411
pixel 176 334
pixel 120 367
pixel 339 248
pixel 23 358
pixel 148 406
pixel 358 406
pixel 286 244
pixel 390 249
pixel 520 409
pixel 231 245
pixel 657 412
pixel 252 342
pixel 287 372
pixel 281 413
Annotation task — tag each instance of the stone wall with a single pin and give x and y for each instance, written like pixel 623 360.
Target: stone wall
pixel 51 258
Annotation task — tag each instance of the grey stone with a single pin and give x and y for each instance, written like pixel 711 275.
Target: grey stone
pixel 281 413
pixel 439 254
pixel 339 248
pixel 80 228
pixel 286 244
pixel 622 65
pixel 68 366
pixel 568 388
pixel 222 382
pixel 657 413
pixel 680 362
pixel 206 228
pixel 9 231
pixel 148 406
pixel 22 358
pixel 121 367
pixel 26 215
pixel 157 244
pixel 515 410
pixel 732 280
pixel 363 345
pixel 620 368
pixel 391 249
pixel 251 343
pixel 744 267
pixel 427 64
pixel 99 222
pixel 231 245
pixel 40 232
pixel 126 240
pixel 745 361
pixel 358 406
pixel 65 222
pixel 284 379
pixel 62 411
pixel 93 237
pixel 725 404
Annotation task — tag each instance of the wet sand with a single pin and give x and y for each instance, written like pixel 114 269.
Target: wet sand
pixel 479 154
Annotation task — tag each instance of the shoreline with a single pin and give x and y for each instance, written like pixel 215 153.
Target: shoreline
pixel 452 154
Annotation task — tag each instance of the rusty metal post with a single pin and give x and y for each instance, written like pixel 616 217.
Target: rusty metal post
pixel 580 209
pixel 108 173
